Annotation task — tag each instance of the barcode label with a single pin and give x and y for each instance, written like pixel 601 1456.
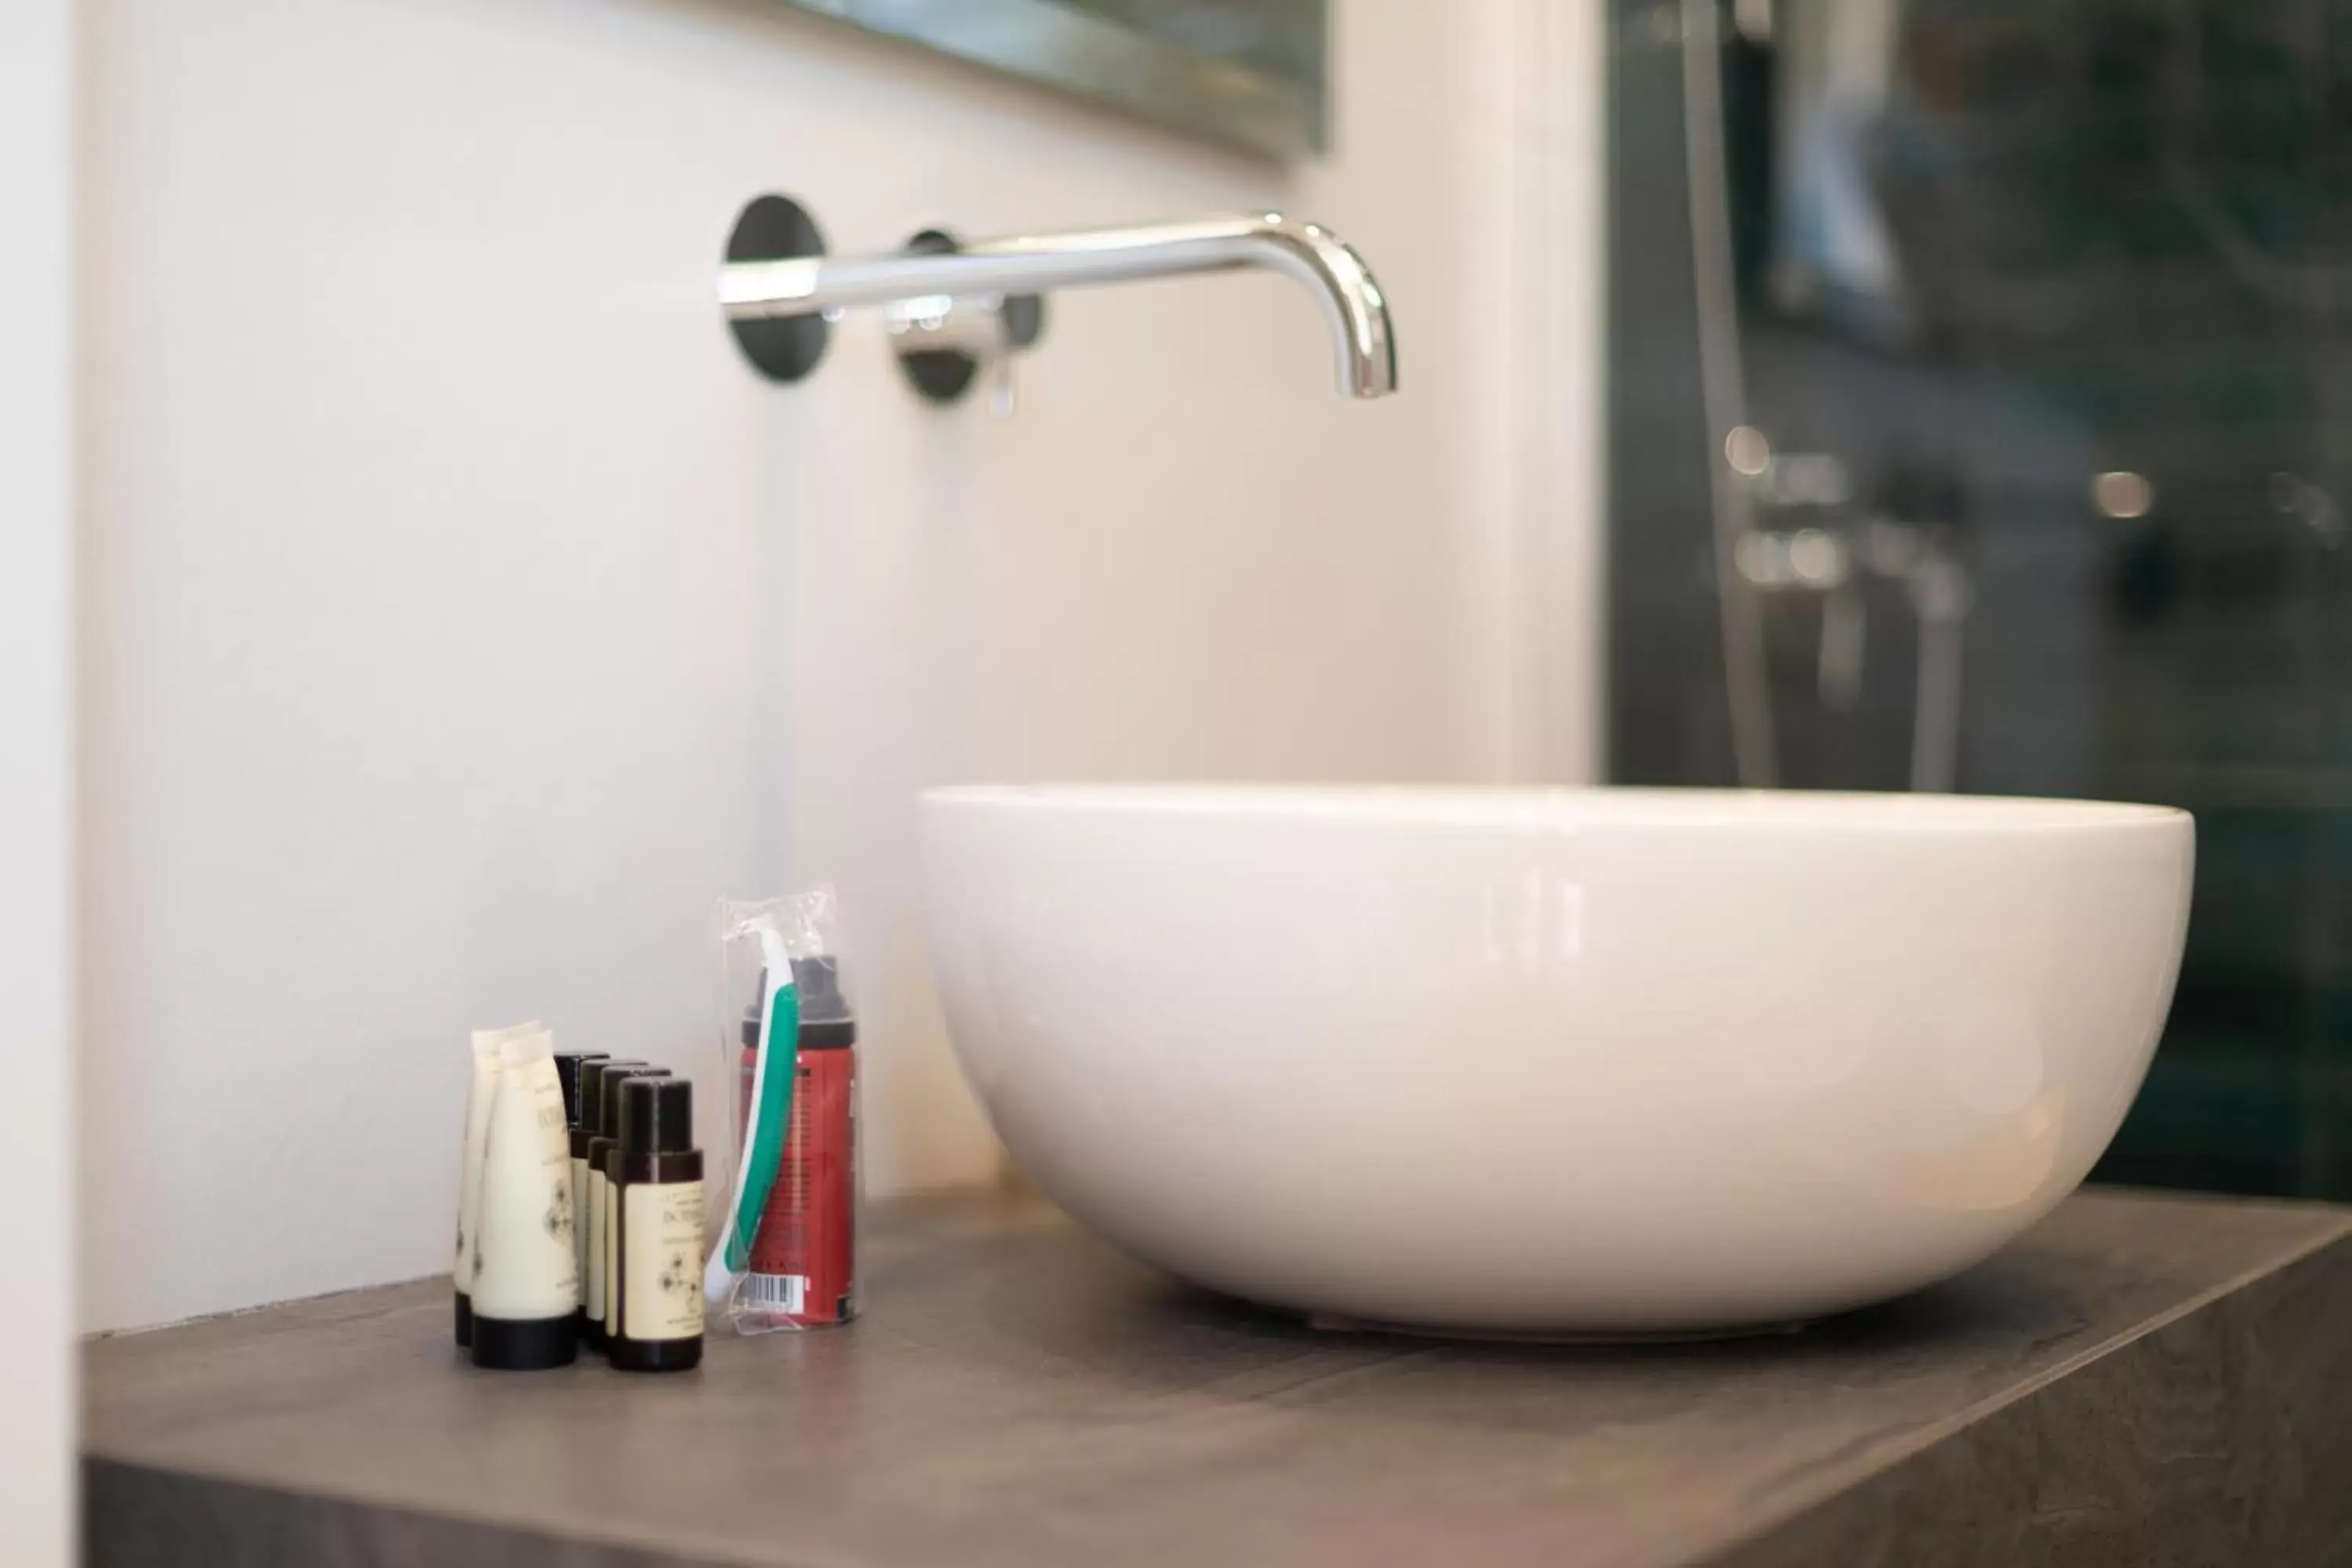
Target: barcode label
pixel 775 1292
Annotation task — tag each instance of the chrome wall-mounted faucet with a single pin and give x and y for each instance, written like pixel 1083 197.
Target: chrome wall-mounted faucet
pixel 779 278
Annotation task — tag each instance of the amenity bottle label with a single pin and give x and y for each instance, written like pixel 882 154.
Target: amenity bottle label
pixel 661 1260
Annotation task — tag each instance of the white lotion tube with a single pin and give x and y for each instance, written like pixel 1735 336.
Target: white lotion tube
pixel 478 1095
pixel 527 1283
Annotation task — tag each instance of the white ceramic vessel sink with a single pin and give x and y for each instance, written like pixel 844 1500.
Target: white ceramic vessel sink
pixel 1604 1061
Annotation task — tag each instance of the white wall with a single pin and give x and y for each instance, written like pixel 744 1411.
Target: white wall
pixel 37 726
pixel 462 617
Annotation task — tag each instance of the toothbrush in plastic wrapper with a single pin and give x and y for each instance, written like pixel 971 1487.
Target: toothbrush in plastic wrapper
pixel 771 1114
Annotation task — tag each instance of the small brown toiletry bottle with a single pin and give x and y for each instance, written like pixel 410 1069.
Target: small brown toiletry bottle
pixel 606 1138
pixel 657 1192
pixel 567 1073
pixel 607 1149
pixel 571 1072
pixel 590 1213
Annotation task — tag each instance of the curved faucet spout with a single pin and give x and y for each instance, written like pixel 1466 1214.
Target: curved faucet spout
pixel 1352 303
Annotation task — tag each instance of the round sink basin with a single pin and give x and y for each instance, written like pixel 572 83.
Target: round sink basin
pixel 1553 1062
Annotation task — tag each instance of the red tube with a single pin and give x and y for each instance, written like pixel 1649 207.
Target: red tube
pixel 804 1255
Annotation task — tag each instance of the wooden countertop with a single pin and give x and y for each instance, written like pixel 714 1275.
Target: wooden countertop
pixel 2142 1379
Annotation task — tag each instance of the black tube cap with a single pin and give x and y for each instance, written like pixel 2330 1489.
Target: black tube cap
pixel 525 1345
pixel 656 1116
pixel 567 1073
pixel 608 1117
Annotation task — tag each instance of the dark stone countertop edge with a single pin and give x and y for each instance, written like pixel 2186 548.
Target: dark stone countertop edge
pixel 2101 1463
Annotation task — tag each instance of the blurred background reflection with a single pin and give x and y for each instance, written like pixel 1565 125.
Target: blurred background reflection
pixel 1979 378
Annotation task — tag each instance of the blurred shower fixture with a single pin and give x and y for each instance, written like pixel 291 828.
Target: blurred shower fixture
pixel 1736 451
pixel 2295 497
pixel 1747 449
pixel 1830 552
pixel 763 285
pixel 1806 479
pixel 1941 593
pixel 1835 565
pixel 1813 558
pixel 2120 493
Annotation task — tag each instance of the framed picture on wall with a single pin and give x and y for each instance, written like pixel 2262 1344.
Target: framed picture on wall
pixel 1249 73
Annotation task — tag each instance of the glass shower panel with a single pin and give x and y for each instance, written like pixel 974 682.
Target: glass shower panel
pixel 2043 340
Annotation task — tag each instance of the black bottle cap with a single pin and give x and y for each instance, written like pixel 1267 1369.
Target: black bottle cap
pixel 826 1023
pixel 826 1020
pixel 608 1119
pixel 592 1088
pixel 656 1116
pixel 567 1073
